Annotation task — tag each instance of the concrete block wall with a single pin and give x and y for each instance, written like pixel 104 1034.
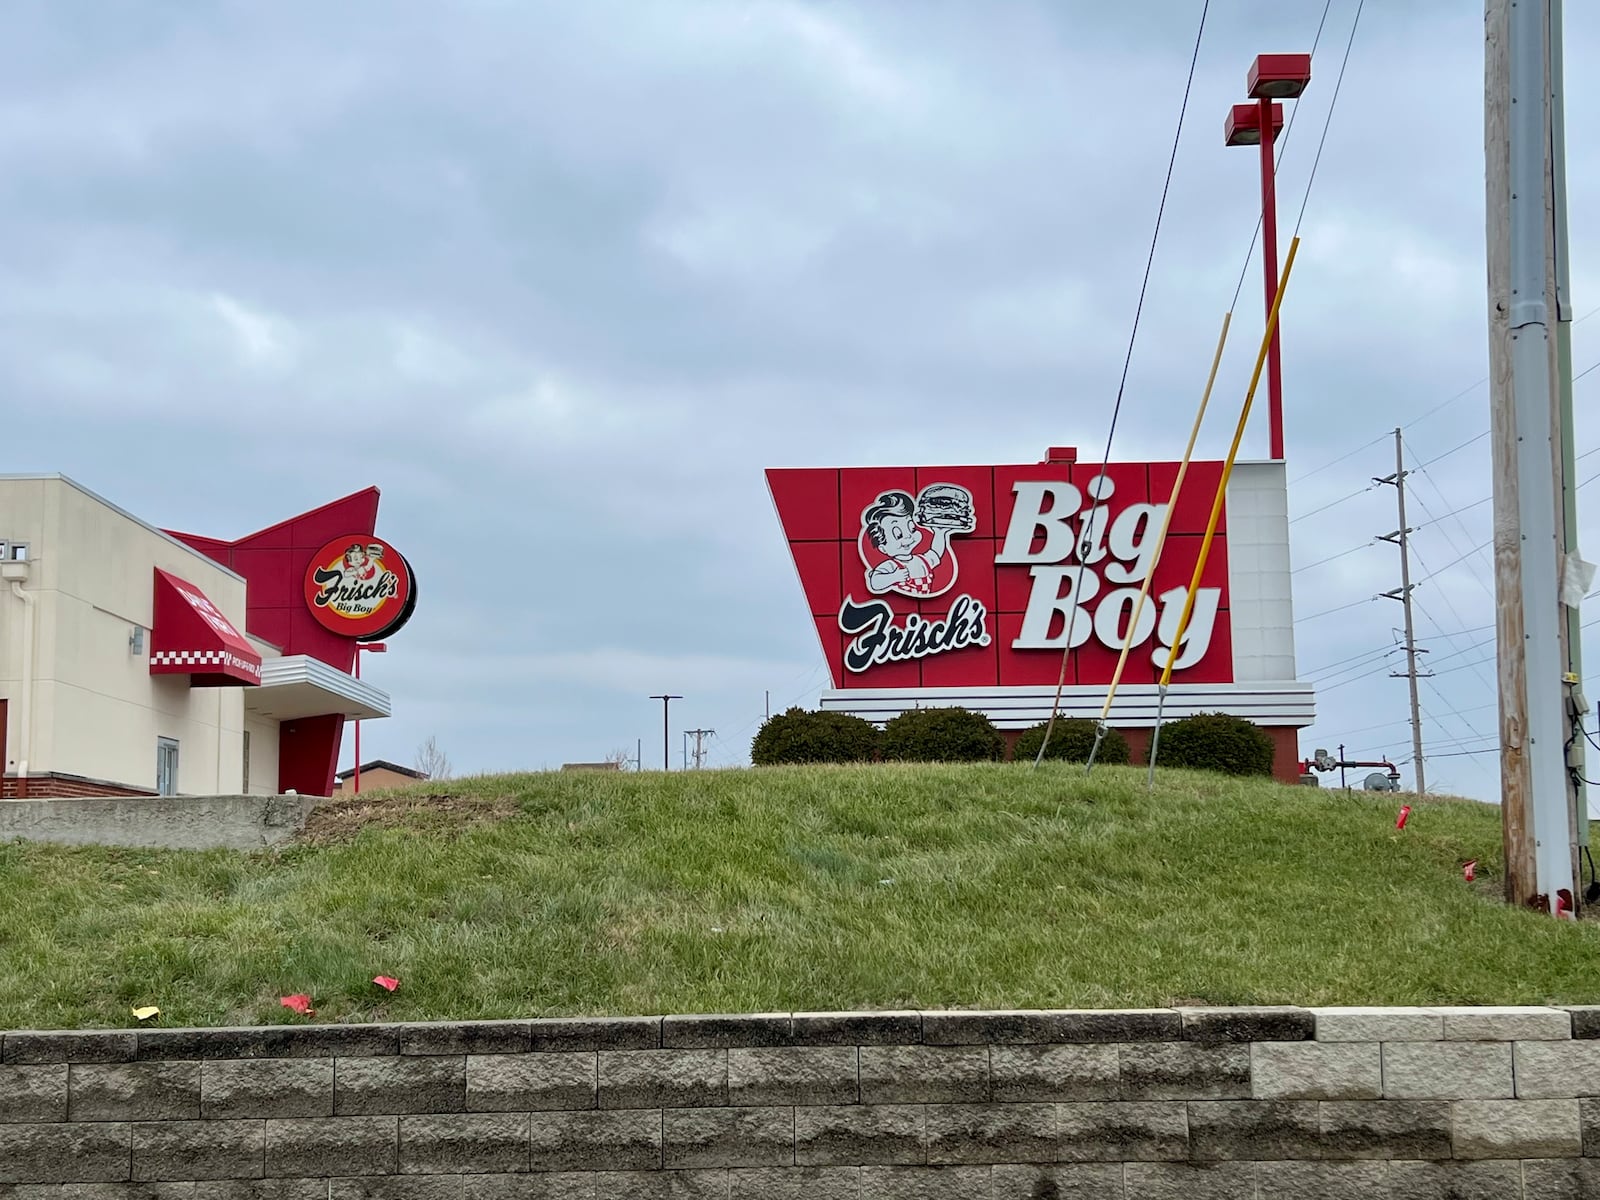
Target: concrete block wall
pixel 1231 1104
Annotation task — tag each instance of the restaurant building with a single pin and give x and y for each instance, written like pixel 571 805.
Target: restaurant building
pixel 976 585
pixel 140 661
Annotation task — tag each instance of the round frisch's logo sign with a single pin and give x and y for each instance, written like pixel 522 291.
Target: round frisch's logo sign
pixel 360 587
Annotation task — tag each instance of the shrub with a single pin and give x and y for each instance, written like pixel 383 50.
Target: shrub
pixel 798 736
pixel 1216 742
pixel 942 735
pixel 1071 741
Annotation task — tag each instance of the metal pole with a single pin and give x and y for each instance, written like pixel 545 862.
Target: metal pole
pixel 666 737
pixel 357 784
pixel 1155 738
pixel 1563 281
pixel 1403 594
pixel 1155 559
pixel 1534 783
pixel 1269 266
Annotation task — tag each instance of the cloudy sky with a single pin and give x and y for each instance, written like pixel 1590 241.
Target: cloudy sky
pixel 562 279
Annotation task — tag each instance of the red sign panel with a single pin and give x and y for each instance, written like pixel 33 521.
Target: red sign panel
pixel 983 576
pixel 360 587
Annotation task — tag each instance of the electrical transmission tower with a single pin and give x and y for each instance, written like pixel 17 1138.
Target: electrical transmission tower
pixel 700 749
pixel 1403 594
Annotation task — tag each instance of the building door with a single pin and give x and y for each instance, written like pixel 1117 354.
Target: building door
pixel 166 767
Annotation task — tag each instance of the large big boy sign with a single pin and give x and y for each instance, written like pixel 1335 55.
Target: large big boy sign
pixel 978 576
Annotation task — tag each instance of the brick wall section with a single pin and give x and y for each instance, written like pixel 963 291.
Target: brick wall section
pixel 1189 1104
pixel 56 787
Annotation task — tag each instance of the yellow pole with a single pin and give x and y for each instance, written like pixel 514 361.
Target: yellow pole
pixel 1227 470
pixel 1166 523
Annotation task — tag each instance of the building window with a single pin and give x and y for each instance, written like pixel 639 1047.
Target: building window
pixel 166 767
pixel 246 788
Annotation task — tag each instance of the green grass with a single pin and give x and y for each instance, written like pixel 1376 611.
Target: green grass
pixel 870 887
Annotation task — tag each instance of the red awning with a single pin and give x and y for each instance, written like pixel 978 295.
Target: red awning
pixel 192 637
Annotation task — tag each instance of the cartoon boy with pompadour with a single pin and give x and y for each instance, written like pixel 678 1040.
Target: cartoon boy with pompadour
pixel 895 526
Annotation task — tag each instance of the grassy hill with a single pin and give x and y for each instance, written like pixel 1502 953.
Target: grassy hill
pixel 980 886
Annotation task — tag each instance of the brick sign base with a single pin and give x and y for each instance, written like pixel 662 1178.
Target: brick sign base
pixel 1192 1104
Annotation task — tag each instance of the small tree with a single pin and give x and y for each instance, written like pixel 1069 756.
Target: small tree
pixel 798 736
pixel 1216 742
pixel 1070 741
pixel 942 735
pixel 621 757
pixel 431 761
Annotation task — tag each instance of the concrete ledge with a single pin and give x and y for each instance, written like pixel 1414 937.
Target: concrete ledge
pixel 158 822
pixel 1454 1031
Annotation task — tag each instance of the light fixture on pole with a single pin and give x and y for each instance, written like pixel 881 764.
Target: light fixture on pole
pixel 363 648
pixel 1272 77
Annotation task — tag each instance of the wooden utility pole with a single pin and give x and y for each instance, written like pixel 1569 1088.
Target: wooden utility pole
pixel 699 736
pixel 1401 538
pixel 1524 400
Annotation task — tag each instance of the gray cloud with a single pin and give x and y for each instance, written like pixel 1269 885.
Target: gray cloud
pixel 563 279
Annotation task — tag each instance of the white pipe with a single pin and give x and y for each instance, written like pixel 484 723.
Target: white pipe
pixel 24 721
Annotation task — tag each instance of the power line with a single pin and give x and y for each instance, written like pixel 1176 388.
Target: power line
pixel 1344 663
pixel 1365 670
pixel 1486 544
pixel 1453 450
pixel 1333 503
pixel 1467 666
pixel 1332 104
pixel 1329 670
pixel 1450 541
pixel 1478 645
pixel 1444 404
pixel 1441 406
pixel 1382 437
pixel 1334 557
pixel 1451 709
pixel 1463 508
pixel 1435 623
pixel 1127 359
pixel 1155 236
pixel 1330 611
pixel 1456 561
pixel 1366 659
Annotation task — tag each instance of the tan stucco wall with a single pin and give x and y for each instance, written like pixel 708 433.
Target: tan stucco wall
pixel 96 709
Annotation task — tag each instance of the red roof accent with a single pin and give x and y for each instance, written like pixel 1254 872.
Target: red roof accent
pixel 273 562
pixel 191 637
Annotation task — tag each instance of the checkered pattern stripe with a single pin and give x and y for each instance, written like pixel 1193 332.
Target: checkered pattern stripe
pixel 189 658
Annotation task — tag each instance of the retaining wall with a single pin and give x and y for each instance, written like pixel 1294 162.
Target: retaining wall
pixel 171 822
pixel 1196 1104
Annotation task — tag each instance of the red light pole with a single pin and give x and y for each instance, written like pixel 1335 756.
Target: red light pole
pixel 364 648
pixel 1272 76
